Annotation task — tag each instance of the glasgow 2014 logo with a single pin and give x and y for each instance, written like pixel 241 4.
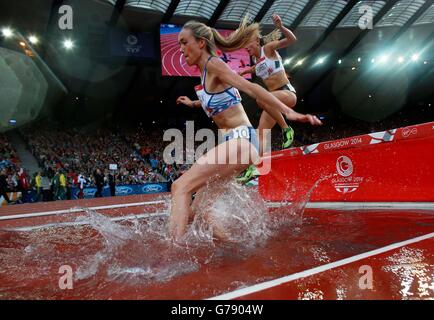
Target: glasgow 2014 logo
pixel 345 181
pixel 344 166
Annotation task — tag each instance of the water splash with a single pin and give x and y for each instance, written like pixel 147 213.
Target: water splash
pixel 135 251
pixel 233 213
pixel 140 250
pixel 292 213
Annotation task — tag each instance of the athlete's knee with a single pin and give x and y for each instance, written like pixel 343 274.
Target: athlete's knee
pixel 292 101
pixel 183 187
pixel 178 187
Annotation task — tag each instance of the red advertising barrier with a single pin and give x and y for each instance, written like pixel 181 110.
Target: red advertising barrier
pixel 394 166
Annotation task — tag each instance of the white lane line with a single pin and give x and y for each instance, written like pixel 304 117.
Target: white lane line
pixel 310 205
pixel 176 47
pixel 361 205
pixel 82 223
pixel 273 283
pixel 74 210
pixel 166 49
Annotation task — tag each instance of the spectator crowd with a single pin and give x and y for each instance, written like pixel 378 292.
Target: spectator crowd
pixel 73 158
pixel 111 156
pixel 12 176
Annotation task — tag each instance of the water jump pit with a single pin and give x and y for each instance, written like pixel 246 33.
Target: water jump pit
pixel 308 237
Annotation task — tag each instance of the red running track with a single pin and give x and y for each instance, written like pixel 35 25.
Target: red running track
pixel 319 259
pixel 172 61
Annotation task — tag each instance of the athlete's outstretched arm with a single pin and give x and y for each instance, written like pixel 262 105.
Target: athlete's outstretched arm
pixel 274 107
pixel 289 36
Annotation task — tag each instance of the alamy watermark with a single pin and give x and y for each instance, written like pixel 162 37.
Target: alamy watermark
pixel 366 281
pixel 230 147
pixel 66 21
pixel 66 281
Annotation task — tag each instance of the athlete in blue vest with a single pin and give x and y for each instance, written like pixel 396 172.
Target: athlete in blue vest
pixel 219 97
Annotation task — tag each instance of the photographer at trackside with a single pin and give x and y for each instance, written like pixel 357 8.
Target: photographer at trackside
pixel 4 186
pixel 99 182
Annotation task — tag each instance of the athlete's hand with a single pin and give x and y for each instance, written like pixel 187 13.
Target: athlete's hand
pixel 292 115
pixel 277 21
pixel 185 100
pixel 313 120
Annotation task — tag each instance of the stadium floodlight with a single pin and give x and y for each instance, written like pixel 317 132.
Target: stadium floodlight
pixel 287 61
pixel 415 57
pixel 7 32
pixel 33 40
pixel 384 58
pixel 300 62
pixel 359 59
pixel 373 60
pixel 401 59
pixel 340 61
pixel 320 61
pixel 68 44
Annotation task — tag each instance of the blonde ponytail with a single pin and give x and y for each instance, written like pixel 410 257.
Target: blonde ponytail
pixel 274 35
pixel 238 39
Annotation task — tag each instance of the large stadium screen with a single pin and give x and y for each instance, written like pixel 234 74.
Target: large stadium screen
pixel 173 63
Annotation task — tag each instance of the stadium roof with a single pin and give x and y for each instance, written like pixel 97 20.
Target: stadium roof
pixel 311 13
